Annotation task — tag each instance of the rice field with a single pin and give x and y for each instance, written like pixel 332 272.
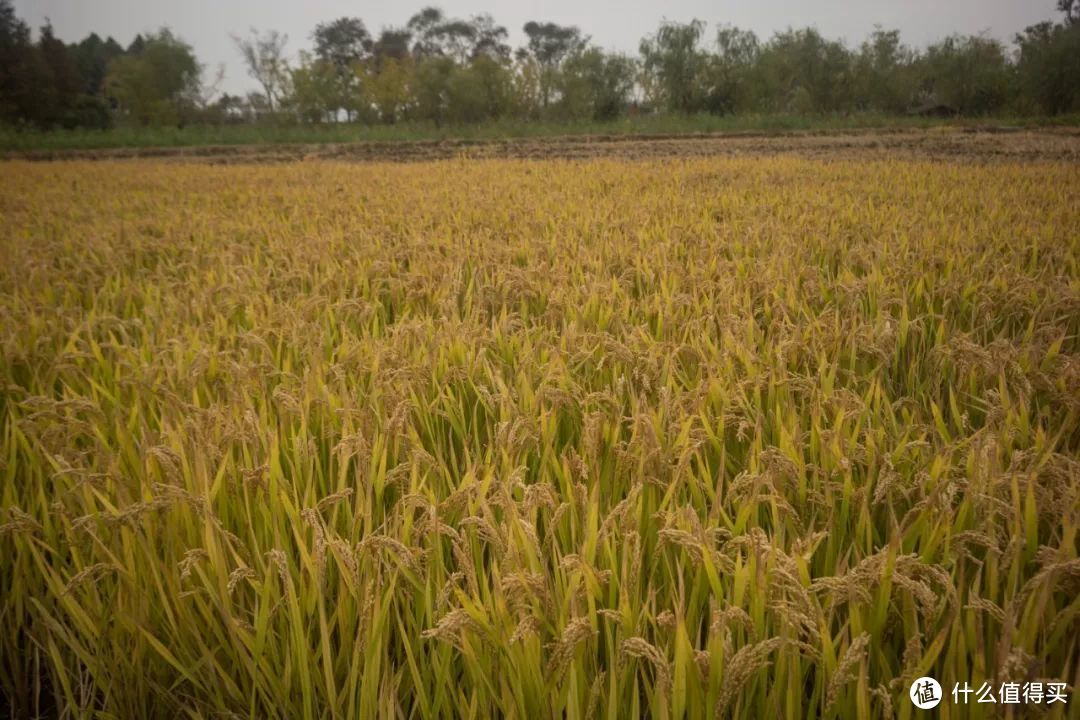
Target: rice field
pixel 681 438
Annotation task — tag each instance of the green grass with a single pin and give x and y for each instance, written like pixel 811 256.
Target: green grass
pixel 125 137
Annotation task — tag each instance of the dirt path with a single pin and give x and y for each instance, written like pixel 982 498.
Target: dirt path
pixel 966 144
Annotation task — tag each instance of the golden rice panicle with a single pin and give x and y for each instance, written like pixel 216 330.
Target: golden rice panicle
pixel 685 438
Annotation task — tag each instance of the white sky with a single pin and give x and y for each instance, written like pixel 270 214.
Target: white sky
pixel 613 24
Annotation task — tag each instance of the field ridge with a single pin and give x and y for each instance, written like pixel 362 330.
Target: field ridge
pixel 974 143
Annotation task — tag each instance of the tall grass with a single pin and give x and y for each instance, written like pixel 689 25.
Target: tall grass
pixel 710 438
pixel 276 134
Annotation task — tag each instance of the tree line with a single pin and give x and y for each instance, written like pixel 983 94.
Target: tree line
pixel 441 69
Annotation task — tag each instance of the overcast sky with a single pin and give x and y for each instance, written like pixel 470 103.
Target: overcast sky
pixel 613 24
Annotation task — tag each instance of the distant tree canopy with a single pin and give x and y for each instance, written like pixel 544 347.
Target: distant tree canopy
pixel 43 84
pixel 1048 66
pixel 442 69
pixel 152 86
pixel 264 58
pixel 342 43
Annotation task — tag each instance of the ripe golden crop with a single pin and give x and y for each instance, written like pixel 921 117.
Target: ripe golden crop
pixel 689 438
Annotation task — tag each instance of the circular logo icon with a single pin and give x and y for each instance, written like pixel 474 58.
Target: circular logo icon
pixel 925 693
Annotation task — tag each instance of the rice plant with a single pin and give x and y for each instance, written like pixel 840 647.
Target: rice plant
pixel 729 438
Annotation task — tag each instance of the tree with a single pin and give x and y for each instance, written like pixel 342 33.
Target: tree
pixel 12 29
pixel 489 39
pixel 431 88
pixel 21 67
pixel 136 45
pixel 1071 8
pixel 454 39
pixel 801 71
pixel 316 89
pixel 231 108
pixel 435 35
pixel 255 105
pixel 1048 67
pixel 43 83
pixel 203 91
pixel 971 74
pixel 389 88
pixel 526 102
pixel 596 85
pixel 423 27
pixel 478 91
pixel 264 55
pixel 59 93
pixel 672 55
pixel 466 97
pixel 548 45
pixel 392 44
pixel 495 80
pixel 883 77
pixel 92 56
pixel 155 86
pixel 342 43
pixel 730 71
